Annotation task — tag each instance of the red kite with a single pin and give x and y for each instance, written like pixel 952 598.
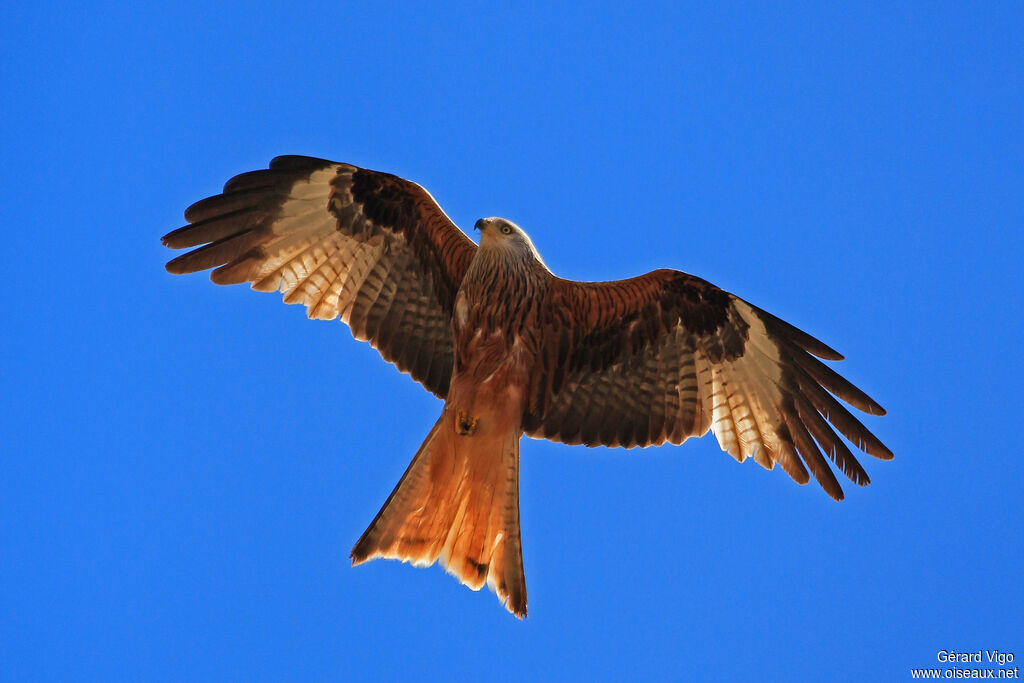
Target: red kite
pixel 512 349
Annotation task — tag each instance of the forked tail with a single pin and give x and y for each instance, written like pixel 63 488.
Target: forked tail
pixel 458 503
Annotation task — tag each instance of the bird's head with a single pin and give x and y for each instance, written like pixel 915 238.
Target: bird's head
pixel 502 234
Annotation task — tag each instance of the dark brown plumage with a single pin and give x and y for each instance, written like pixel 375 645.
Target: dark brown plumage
pixel 513 349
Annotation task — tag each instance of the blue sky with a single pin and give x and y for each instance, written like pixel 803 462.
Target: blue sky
pixel 185 467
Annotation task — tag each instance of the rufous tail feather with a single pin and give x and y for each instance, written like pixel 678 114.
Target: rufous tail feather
pixel 458 502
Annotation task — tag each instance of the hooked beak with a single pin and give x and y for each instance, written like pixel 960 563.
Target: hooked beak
pixel 486 228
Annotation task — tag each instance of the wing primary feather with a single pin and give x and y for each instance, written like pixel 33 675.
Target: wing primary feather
pixel 765 412
pixel 791 463
pixel 294 162
pixel 216 254
pixel 213 229
pixel 834 412
pixel 263 179
pixel 796 335
pixel 222 204
pixel 810 454
pixel 830 442
pixel 836 383
pixel 321 285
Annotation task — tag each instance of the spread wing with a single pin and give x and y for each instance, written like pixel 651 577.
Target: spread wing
pixel 368 247
pixel 666 356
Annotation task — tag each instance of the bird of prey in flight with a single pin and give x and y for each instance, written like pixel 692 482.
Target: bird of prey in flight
pixel 513 349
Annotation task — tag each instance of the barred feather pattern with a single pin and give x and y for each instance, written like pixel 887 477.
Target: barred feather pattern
pixel 369 248
pixel 667 356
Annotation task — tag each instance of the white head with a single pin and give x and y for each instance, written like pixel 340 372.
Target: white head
pixel 500 233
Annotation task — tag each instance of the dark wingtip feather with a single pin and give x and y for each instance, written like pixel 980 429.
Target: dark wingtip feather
pixel 865 403
pixel 797 336
pixel 211 229
pixel 834 382
pixel 296 161
pixel 210 256
pixel 789 460
pixel 263 179
pixel 812 457
pixel 883 453
pixel 849 426
pixel 829 442
pixel 182 265
pixel 179 266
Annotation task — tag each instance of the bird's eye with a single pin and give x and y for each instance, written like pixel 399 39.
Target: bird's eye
pixel 506 230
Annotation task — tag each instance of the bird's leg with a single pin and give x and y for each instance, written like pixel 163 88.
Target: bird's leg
pixel 465 424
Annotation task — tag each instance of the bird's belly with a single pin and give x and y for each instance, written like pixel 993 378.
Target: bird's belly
pixel 491 378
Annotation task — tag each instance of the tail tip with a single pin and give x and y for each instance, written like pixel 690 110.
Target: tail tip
pixel 360 552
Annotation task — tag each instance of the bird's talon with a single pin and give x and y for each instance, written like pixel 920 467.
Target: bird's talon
pixel 465 424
